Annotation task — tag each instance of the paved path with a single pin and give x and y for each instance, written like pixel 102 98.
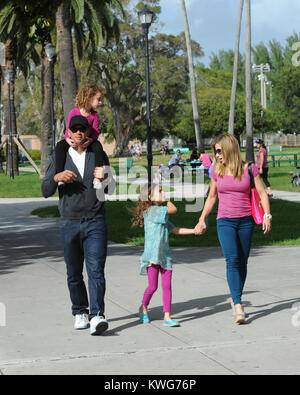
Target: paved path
pixel 39 338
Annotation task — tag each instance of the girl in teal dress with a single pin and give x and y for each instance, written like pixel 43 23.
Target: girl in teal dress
pixel 152 212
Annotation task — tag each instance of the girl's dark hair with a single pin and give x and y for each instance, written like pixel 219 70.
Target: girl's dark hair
pixel 144 202
pixel 260 141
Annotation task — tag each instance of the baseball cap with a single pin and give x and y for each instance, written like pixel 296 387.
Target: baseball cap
pixel 79 120
pixel 258 141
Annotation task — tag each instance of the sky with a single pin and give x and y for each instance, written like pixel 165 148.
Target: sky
pixel 213 23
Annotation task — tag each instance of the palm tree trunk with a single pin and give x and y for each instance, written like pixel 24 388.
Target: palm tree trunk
pixel 68 76
pixel 10 64
pixel 235 71
pixel 249 112
pixel 199 138
pixel 46 129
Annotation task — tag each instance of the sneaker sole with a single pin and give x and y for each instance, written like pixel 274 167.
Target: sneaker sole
pixel 100 328
pixel 171 326
pixel 81 327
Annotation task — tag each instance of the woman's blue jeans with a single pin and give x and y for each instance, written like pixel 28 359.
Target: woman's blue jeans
pixel 85 241
pixel 235 236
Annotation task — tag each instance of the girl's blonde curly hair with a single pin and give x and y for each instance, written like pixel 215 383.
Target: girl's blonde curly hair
pixel 85 94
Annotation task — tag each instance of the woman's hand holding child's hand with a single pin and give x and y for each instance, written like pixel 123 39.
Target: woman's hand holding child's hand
pixel 200 228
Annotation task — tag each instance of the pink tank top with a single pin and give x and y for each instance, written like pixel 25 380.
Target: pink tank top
pixel 234 195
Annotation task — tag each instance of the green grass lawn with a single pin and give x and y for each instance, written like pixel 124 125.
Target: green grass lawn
pixel 285 225
pixel 29 184
pixel 23 186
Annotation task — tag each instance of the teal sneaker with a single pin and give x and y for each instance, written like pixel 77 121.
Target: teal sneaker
pixel 171 323
pixel 144 318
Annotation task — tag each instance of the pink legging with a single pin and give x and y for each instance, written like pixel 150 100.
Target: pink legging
pixel 166 278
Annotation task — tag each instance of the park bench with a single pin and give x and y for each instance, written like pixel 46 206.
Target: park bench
pixel 274 148
pixel 283 158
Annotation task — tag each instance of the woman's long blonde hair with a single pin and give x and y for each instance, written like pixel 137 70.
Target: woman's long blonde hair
pixel 231 155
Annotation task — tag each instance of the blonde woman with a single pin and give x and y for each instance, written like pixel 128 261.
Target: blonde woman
pixel 230 183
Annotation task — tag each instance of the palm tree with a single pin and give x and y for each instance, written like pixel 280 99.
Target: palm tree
pixel 10 64
pixel 249 112
pixel 25 30
pixel 24 24
pixel 235 71
pixel 68 76
pixel 199 138
pixel 96 17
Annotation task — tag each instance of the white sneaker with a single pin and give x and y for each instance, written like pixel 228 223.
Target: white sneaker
pixel 97 184
pixel 98 325
pixel 81 321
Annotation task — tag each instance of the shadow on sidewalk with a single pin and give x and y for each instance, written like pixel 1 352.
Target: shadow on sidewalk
pixel 204 307
pixel 25 248
pixel 275 307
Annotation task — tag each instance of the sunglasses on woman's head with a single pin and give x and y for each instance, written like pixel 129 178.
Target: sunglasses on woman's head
pixel 218 151
pixel 76 129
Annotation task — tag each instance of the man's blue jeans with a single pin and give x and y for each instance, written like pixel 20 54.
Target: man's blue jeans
pixel 85 240
pixel 235 235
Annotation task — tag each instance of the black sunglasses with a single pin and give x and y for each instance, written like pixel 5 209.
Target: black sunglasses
pixel 76 129
pixel 218 151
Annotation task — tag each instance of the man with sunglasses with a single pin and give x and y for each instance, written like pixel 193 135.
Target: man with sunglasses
pixel 83 227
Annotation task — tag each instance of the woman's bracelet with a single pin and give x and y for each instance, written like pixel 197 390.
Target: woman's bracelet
pixel 269 216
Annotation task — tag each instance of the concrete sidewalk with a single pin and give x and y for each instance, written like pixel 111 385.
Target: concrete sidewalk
pixel 39 338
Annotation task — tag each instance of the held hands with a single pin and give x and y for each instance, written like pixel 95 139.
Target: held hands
pixel 84 145
pixel 71 142
pixel 87 142
pixel 200 228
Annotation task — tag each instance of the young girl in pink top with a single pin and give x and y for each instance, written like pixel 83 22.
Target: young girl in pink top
pixel 230 183
pixel 88 100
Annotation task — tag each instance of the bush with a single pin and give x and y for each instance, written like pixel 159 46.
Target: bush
pixel 35 154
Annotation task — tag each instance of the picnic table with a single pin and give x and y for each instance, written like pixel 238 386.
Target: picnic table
pixel 282 158
pixel 194 165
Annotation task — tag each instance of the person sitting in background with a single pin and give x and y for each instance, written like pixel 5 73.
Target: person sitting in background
pixel 175 159
pixel 194 155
